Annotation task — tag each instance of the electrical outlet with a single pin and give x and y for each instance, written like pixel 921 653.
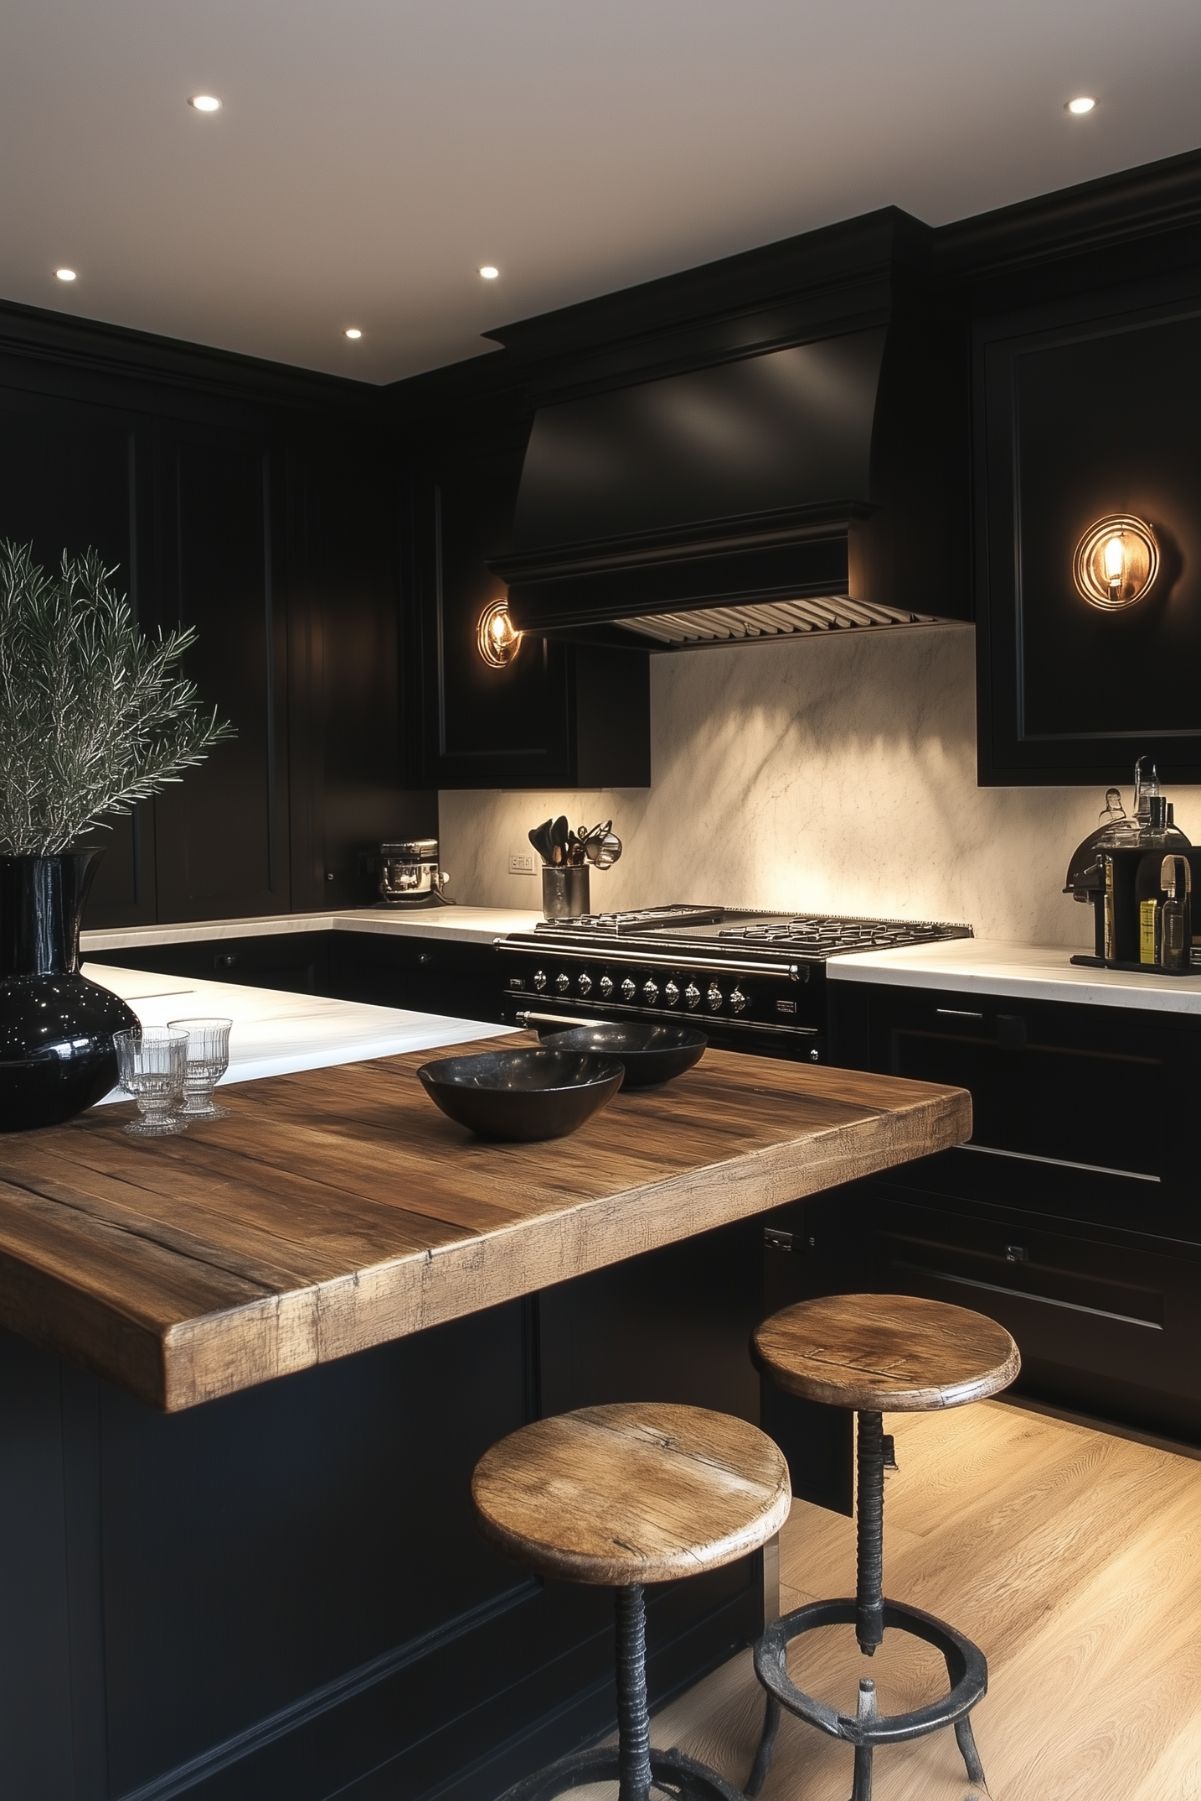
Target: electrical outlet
pixel 521 862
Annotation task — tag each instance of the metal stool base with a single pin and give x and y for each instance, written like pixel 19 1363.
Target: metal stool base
pixel 639 1771
pixel 672 1774
pixel 966 1669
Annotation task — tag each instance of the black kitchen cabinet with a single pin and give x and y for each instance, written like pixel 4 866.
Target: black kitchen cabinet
pixel 557 715
pixel 266 507
pixel 430 975
pixel 222 844
pixel 1087 408
pixel 1071 1214
pixel 77 473
pixel 296 962
pixel 352 650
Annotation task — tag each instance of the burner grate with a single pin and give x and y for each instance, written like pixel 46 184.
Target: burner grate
pixel 835 934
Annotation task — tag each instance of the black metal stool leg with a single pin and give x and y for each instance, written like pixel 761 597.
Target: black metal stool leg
pixel 869 1528
pixel 767 1745
pixel 966 1740
pixel 862 1789
pixel 633 1714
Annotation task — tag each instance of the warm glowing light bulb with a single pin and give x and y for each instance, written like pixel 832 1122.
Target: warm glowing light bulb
pixel 1115 558
pixel 352 331
pixel 205 103
pixel 489 271
pixel 496 637
pixel 65 274
pixel 1083 103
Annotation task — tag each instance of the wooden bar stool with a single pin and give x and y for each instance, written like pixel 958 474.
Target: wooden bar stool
pixel 873 1353
pixel 622 1496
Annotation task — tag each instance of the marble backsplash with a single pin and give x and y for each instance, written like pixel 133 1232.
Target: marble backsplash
pixel 838 775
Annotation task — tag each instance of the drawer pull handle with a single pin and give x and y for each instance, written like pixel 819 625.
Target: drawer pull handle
pixel 1092 1169
pixel 957 1013
pixel 1016 1253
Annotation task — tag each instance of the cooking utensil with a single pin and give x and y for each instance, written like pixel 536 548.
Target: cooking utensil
pixel 522 1096
pixel 558 839
pixel 539 837
pixel 648 1053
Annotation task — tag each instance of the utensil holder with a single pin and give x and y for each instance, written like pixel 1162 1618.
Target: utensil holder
pixel 564 891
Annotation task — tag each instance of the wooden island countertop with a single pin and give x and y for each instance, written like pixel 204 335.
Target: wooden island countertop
pixel 337 1209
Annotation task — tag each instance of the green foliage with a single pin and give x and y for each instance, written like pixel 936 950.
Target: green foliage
pixel 93 713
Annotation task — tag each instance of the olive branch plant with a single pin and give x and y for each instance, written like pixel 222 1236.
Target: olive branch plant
pixel 94 715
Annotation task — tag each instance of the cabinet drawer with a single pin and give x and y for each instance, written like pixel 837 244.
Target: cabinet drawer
pixel 1111 1327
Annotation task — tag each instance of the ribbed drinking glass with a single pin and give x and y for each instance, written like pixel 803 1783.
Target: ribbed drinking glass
pixel 207 1062
pixel 151 1061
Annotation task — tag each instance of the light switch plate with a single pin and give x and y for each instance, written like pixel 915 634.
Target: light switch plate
pixel 521 862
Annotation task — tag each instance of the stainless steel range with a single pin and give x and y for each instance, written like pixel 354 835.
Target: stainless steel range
pixel 756 980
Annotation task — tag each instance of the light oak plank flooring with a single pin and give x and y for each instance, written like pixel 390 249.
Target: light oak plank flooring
pixel 1072 1556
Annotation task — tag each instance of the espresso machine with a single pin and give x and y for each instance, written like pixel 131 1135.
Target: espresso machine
pixel 1136 872
pixel 408 874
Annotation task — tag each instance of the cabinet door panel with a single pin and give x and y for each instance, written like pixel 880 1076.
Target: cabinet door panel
pixel 75 476
pixel 485 726
pixel 223 834
pixel 1089 409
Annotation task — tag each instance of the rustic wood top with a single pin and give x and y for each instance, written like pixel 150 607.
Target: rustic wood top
pixel 338 1209
pixel 632 1492
pixel 886 1353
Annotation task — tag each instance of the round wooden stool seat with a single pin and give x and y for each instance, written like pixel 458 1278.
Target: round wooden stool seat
pixel 886 1353
pixel 632 1493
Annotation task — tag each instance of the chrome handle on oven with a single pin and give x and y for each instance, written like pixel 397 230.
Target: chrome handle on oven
pixel 605 950
pixel 529 1018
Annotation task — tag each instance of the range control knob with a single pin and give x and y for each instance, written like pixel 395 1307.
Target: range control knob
pixel 737 1001
pixel 650 993
pixel 562 983
pixel 692 995
pixel 713 997
pixel 606 986
pixel 539 979
pixel 671 994
pixel 585 984
pixel 628 989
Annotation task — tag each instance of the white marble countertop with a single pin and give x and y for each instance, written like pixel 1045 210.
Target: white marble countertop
pixel 275 1033
pixel 1028 971
pixel 474 925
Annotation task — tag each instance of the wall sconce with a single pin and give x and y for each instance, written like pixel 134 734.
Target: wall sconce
pixel 496 637
pixel 1116 562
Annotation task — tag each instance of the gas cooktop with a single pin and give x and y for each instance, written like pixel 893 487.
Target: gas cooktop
pixel 732 930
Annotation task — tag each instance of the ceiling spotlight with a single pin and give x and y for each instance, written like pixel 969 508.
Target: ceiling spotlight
pixel 1083 103
pixel 205 103
pixel 65 274
pixel 352 331
pixel 489 271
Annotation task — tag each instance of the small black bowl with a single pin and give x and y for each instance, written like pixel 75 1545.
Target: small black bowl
pixel 522 1095
pixel 647 1053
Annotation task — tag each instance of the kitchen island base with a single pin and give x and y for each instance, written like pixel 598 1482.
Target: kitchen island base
pixel 283 1594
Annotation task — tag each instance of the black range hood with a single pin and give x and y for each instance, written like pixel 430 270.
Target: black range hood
pixel 785 465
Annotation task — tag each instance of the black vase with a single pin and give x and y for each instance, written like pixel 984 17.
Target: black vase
pixel 56 1027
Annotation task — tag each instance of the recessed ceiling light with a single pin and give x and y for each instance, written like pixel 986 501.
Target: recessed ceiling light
pixel 1083 103
pixel 205 103
pixel 352 331
pixel 489 271
pixel 65 274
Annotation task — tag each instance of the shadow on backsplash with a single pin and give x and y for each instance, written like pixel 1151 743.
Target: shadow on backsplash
pixel 834 776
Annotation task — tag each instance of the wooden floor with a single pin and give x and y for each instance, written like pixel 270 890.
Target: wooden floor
pixel 1071 1556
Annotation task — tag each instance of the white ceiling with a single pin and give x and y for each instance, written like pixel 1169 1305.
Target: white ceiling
pixel 372 153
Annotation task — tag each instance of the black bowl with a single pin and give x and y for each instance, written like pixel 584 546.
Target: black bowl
pixel 647 1053
pixel 522 1095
